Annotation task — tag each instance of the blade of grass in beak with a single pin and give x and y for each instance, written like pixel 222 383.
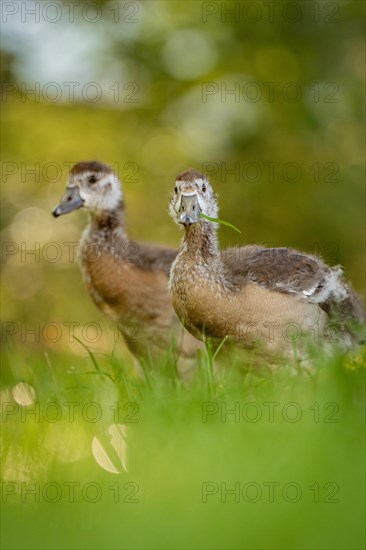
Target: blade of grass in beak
pixel 222 222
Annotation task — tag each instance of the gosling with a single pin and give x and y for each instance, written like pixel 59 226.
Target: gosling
pixel 127 280
pixel 261 298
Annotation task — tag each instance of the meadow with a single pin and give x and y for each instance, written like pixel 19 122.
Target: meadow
pixel 97 457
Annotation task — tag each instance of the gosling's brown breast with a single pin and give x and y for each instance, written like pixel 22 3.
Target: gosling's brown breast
pixel 254 315
pixel 138 300
pixel 127 289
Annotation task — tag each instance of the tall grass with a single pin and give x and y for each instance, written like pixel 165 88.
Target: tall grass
pixel 232 459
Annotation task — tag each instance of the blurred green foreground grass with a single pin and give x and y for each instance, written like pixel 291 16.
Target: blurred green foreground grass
pixel 248 461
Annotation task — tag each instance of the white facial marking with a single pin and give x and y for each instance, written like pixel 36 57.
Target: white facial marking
pixel 102 194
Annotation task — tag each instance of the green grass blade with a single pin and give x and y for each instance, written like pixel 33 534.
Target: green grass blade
pixel 222 222
pixel 94 361
pixel 219 348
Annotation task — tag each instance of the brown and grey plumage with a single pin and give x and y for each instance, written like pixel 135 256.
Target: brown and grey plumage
pixel 127 280
pixel 257 295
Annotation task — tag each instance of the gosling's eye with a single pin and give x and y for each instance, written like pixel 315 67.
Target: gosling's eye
pixel 175 189
pixel 204 188
pixel 92 179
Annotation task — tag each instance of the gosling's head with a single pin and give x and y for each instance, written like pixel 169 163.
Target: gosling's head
pixel 91 185
pixel 192 196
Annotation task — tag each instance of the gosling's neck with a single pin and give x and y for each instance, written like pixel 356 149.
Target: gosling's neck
pixel 108 224
pixel 200 243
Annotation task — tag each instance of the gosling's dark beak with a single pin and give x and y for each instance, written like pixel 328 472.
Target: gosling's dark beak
pixel 189 210
pixel 69 202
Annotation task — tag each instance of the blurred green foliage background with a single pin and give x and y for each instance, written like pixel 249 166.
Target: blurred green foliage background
pixel 284 149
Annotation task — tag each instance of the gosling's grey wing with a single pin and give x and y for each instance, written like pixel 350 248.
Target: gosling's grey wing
pixel 282 269
pixel 302 275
